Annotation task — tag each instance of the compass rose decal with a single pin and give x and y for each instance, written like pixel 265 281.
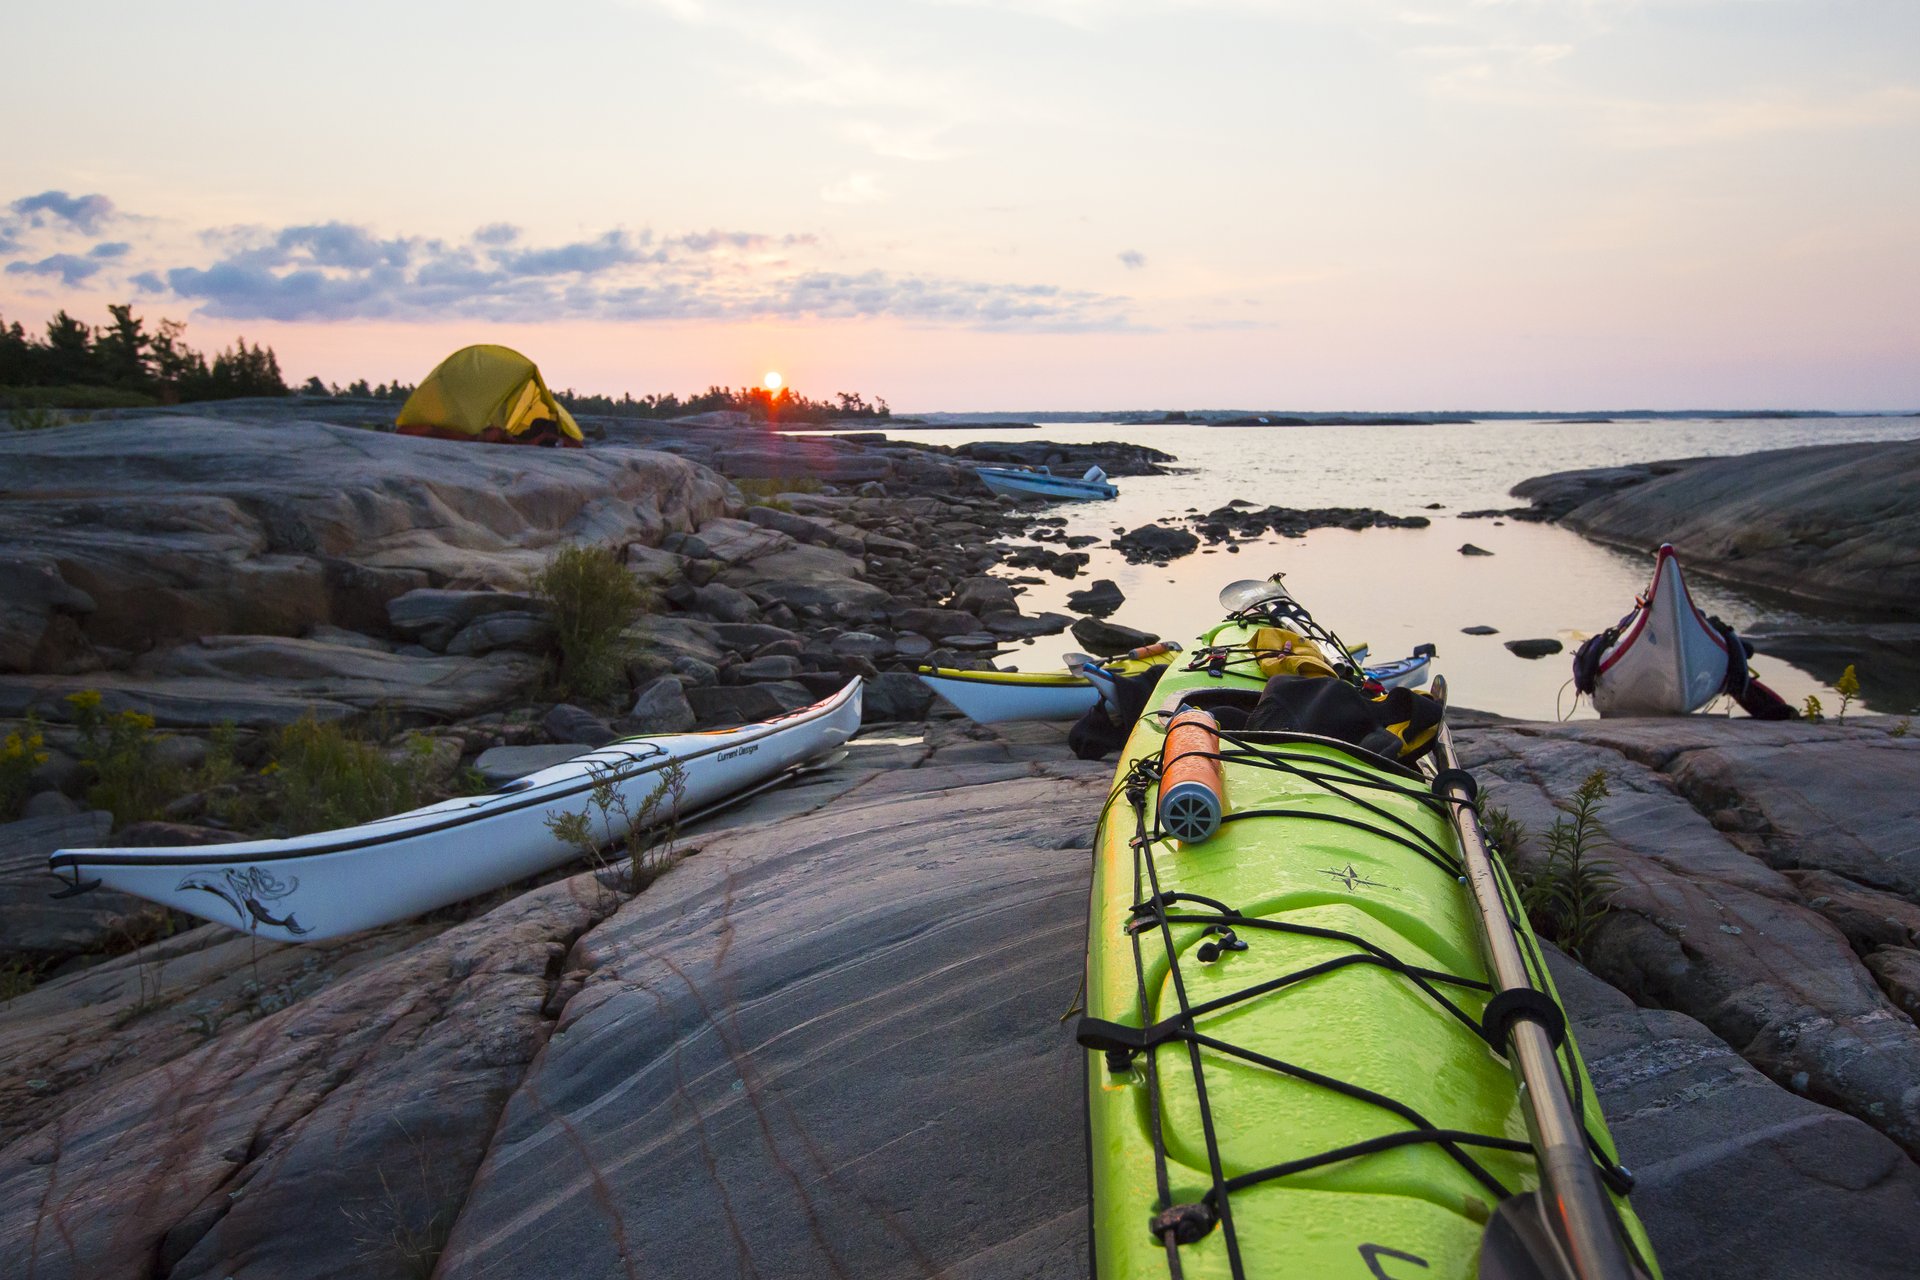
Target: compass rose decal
pixel 1351 878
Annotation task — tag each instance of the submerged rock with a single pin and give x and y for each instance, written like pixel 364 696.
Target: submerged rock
pixel 1156 542
pixel 1103 639
pixel 1099 600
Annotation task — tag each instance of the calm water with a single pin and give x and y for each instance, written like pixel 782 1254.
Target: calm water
pixel 1395 588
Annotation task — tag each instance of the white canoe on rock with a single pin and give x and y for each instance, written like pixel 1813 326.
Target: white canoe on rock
pixel 1663 659
pixel 312 887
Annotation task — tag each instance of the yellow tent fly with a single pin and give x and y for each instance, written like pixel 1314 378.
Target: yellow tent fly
pixel 488 393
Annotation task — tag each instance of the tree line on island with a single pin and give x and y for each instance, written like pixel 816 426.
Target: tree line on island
pixel 122 365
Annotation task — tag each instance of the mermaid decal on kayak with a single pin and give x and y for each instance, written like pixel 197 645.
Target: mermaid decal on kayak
pixel 245 891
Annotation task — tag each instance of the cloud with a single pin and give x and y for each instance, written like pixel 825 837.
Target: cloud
pixel 855 188
pixel 1079 14
pixel 340 271
pixel 798 62
pixel 610 250
pixel 83 212
pixel 71 268
pixel 1132 259
pixel 340 244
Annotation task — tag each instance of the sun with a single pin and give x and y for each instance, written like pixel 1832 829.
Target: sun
pixel 772 381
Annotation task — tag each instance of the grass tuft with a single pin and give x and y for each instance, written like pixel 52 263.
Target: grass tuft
pixel 765 491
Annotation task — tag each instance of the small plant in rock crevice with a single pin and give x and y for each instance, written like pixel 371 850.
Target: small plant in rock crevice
pixel 403 1226
pixel 1576 887
pixel 642 835
pixel 1810 709
pixel 1848 687
pixel 1567 892
pixel 17 977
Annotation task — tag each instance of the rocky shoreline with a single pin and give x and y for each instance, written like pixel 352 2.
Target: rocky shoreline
pixel 1828 529
pixel 565 1077
pixel 561 1075
pixel 1830 525
pixel 251 565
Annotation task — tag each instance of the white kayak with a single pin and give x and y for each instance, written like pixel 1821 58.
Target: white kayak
pixel 312 887
pixel 995 697
pixel 1404 673
pixel 1665 658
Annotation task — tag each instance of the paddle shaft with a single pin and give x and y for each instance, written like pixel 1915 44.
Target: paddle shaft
pixel 1571 1195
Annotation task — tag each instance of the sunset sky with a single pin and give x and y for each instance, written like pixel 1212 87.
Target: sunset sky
pixel 999 204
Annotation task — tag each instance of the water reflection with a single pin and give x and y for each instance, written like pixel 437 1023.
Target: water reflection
pixel 1396 588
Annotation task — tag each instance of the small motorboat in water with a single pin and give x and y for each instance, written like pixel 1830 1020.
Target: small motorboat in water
pixel 1040 482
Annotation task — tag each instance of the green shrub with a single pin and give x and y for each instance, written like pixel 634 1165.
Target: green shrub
pixel 327 777
pixel 20 754
pixel 591 599
pixel 121 748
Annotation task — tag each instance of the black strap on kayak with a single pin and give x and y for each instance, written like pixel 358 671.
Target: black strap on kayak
pixel 1157 911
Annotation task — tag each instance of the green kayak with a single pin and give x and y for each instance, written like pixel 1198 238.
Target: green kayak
pixel 1296 1062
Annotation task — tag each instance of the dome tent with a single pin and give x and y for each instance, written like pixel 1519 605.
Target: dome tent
pixel 488 393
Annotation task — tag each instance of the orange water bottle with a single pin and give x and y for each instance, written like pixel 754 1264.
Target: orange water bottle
pixel 1192 787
